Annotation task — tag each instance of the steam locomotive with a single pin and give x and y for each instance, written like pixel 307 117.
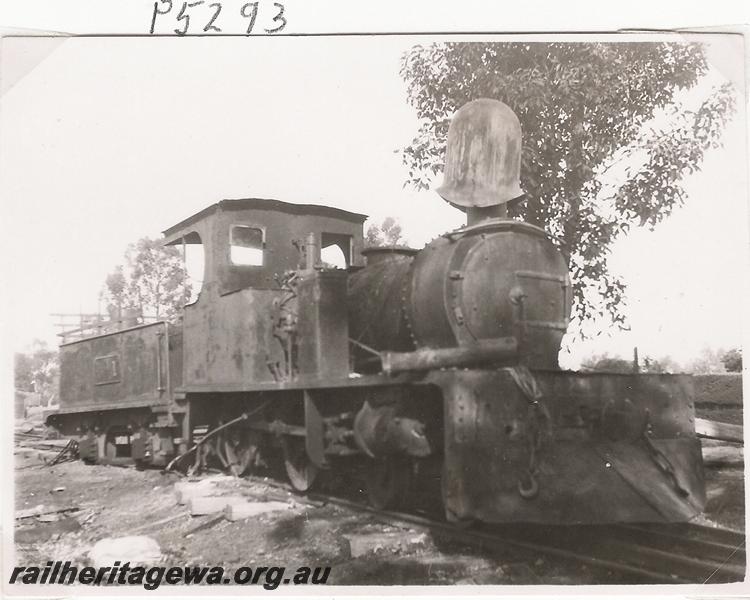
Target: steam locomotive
pixel 437 363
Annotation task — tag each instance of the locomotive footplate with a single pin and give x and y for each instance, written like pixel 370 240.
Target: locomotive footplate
pixel 565 447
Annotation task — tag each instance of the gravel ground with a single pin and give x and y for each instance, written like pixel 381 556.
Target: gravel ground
pixel 115 501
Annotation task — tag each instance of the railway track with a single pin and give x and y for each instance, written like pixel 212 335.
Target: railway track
pixel 693 552
pixel 661 554
pixel 636 554
pixel 677 553
pixel 21 436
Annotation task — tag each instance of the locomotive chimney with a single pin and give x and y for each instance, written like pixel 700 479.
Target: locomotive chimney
pixel 482 160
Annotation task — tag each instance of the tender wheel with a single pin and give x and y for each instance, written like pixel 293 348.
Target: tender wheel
pixel 300 470
pixel 388 482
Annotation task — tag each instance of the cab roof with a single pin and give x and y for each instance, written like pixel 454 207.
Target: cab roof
pixel 269 205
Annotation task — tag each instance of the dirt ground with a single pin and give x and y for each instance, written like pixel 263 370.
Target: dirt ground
pixel 115 501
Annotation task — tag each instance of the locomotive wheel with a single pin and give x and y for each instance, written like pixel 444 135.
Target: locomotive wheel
pixel 237 452
pixel 299 468
pixel 388 481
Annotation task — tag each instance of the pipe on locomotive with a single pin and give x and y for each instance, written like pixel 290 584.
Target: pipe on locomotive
pixel 501 350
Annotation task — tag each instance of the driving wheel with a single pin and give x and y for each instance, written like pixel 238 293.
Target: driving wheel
pixel 299 468
pixel 237 451
pixel 388 481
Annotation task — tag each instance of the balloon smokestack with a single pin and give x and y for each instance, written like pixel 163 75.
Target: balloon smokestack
pixel 482 160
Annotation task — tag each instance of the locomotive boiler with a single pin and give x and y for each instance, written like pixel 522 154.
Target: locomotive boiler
pixel 432 369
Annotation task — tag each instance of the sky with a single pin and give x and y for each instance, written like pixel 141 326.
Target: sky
pixel 106 140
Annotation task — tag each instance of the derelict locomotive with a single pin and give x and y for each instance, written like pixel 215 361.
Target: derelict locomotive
pixel 440 362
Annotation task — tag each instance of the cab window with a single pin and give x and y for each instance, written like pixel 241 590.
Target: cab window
pixel 246 245
pixel 336 250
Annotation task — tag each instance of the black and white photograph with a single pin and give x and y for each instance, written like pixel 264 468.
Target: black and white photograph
pixel 288 312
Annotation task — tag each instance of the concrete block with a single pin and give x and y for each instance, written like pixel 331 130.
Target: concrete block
pixel 185 490
pixel 135 549
pixel 390 543
pixel 243 510
pixel 208 505
pixel 187 484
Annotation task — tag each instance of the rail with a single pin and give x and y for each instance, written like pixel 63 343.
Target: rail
pixel 682 553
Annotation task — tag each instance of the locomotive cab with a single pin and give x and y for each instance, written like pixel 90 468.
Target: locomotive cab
pixel 250 247
pixel 248 243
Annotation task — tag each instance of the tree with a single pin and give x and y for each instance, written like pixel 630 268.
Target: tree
pixel 608 135
pixel 114 293
pixel 152 282
pixel 665 364
pixel 388 233
pixel 708 361
pixel 607 363
pixel 37 370
pixel 732 360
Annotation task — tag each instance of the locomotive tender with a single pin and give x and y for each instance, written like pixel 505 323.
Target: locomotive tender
pixel 437 365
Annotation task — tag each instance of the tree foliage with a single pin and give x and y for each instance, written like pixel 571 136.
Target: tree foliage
pixel 606 363
pixel 388 233
pixel 708 361
pixel 732 360
pixel 608 136
pixel 37 370
pixel 665 364
pixel 616 364
pixel 152 282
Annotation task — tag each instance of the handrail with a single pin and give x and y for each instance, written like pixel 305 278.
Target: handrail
pixel 102 326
